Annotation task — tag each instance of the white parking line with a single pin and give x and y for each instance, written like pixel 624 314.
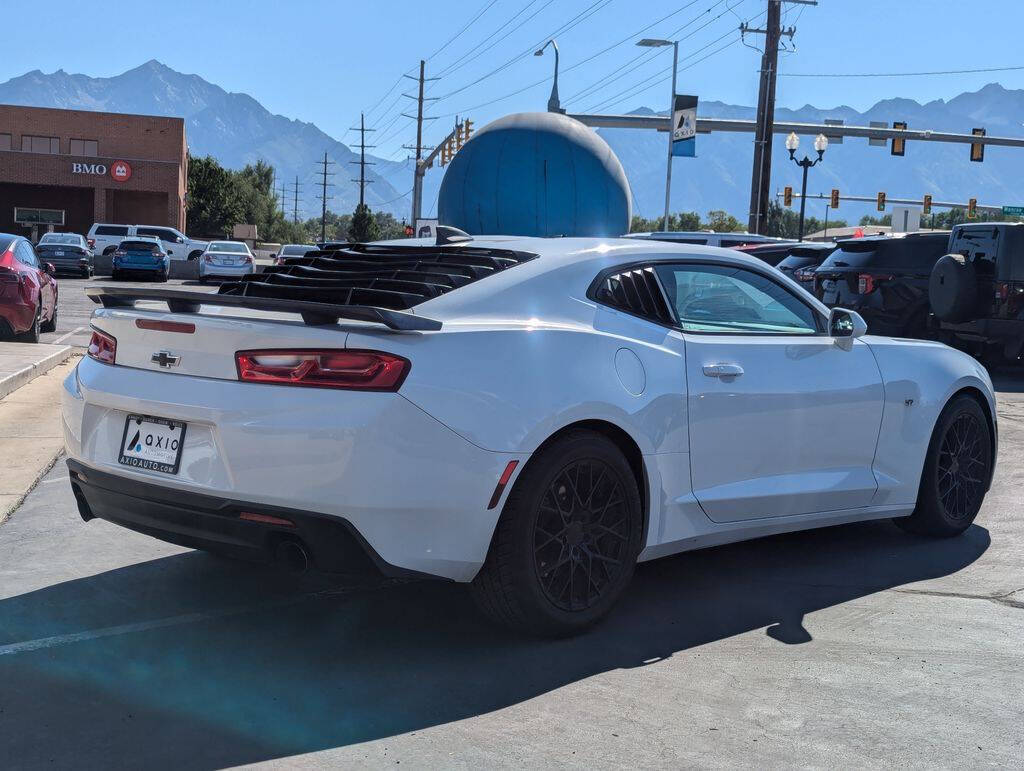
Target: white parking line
pixel 64 337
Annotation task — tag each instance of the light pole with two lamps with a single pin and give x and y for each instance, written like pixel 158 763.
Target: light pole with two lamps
pixel 792 143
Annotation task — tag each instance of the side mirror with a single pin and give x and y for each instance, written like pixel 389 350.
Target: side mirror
pixel 50 269
pixel 179 240
pixel 846 326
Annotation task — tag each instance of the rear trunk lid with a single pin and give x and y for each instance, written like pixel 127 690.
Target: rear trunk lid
pixel 204 344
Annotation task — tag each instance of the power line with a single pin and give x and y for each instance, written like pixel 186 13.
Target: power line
pixel 895 74
pixel 650 54
pixel 295 209
pixel 471 54
pixel 466 26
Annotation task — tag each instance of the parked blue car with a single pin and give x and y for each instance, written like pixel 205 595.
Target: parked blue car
pixel 141 255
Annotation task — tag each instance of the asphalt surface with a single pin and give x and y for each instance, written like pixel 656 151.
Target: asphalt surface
pixel 852 646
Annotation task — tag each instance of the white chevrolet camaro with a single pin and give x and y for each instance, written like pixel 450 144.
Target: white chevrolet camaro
pixel 533 416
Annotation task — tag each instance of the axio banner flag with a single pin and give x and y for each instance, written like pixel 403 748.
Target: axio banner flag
pixel 684 126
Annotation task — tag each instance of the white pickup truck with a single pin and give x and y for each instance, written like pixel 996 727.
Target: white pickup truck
pixel 104 239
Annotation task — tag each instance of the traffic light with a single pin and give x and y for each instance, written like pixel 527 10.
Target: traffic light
pixel 977 148
pixel 926 207
pixel 787 196
pixel 972 208
pixel 467 129
pixel 899 144
pixel 458 137
pixel 834 203
pixel 880 203
pixel 446 152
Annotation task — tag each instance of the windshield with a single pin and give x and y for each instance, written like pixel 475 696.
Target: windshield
pixel 231 247
pixel 59 238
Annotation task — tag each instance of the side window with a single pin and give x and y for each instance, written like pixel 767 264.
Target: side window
pixel 110 230
pixel 162 233
pixel 635 290
pixel 715 298
pixel 26 255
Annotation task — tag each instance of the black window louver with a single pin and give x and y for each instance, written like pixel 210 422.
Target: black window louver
pixel 384 276
pixel 636 291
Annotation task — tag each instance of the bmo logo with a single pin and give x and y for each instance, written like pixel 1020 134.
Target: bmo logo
pixel 120 171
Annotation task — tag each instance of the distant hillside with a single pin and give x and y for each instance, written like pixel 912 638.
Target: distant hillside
pixel 719 177
pixel 236 129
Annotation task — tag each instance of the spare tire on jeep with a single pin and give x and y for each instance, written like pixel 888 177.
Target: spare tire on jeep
pixel 953 288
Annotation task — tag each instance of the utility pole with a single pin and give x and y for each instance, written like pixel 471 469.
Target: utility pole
pixel 284 192
pixel 761 175
pixel 295 210
pixel 363 163
pixel 419 117
pixel 323 197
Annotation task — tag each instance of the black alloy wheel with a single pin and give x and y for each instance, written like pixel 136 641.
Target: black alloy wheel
pixel 566 543
pixel 957 471
pixel 581 535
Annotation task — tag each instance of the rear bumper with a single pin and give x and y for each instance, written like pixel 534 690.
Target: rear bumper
pixel 227 271
pixel 1006 332
pixel 130 267
pixel 416 492
pixel 214 523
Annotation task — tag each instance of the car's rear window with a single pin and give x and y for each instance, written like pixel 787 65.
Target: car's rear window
pixel 797 261
pixel 5 242
pixel 890 253
pixel 227 246
pixel 297 249
pixel 139 246
pixel 59 238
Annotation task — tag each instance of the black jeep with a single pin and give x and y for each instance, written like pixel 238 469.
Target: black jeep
pixel 977 290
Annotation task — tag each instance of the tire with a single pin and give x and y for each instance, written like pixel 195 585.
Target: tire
pixel 195 255
pixel 953 288
pixel 51 325
pixel 512 587
pixel 162 277
pixel 956 472
pixel 32 334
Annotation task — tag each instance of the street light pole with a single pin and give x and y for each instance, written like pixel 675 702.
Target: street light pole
pixel 792 143
pixel 657 43
pixel 553 103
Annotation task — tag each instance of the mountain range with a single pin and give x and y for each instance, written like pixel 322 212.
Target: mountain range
pixel 236 129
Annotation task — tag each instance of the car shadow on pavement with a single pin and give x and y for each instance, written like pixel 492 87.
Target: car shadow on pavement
pixel 202 663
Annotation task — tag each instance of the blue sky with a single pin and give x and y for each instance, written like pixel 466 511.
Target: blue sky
pixel 324 61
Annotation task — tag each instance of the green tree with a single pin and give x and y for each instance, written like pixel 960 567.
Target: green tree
pixel 867 219
pixel 364 225
pixel 209 203
pixel 722 222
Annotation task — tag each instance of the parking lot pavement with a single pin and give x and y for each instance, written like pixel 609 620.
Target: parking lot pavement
pixel 852 646
pixel 74 308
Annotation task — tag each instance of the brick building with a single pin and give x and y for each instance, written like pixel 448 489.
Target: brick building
pixel 66 169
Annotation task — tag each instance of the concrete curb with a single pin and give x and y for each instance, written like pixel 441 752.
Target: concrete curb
pixel 14 381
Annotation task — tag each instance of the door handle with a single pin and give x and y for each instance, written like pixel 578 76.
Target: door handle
pixel 723 370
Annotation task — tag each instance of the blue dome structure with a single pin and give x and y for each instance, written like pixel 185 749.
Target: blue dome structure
pixel 536 174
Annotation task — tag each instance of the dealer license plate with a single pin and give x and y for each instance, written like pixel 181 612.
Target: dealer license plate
pixel 154 444
pixel 58 253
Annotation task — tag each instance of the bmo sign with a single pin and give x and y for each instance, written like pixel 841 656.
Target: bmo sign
pixel 120 171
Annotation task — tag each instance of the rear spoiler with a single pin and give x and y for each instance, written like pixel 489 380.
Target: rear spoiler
pixel 313 313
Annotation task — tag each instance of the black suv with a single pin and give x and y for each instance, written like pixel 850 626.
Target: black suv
pixel 885 279
pixel 977 290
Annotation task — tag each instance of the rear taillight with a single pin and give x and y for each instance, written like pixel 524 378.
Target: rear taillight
pixel 9 276
pixel 207 258
pixel 868 282
pixel 91 242
pixel 119 253
pixel 354 370
pixel 102 347
pixel 804 274
pixel 249 260
pixel 1002 291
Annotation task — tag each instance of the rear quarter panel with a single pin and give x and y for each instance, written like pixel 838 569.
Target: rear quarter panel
pixel 508 386
pixel 919 378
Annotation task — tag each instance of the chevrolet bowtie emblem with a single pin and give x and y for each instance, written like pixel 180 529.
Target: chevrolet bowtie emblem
pixel 165 359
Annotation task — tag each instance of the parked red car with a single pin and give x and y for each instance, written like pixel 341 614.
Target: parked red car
pixel 28 291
